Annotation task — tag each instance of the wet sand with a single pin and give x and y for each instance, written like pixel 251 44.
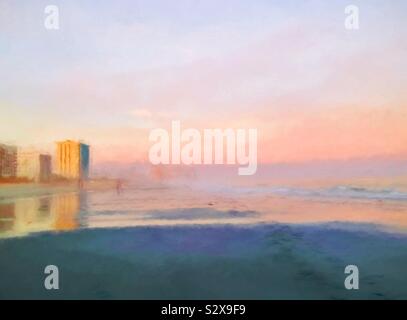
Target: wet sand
pixel 30 189
pixel 171 242
pixel 207 262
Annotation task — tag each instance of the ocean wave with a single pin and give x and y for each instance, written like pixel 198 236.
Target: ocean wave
pixel 341 192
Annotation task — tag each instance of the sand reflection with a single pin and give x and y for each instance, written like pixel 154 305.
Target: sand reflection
pixel 58 212
pixel 183 206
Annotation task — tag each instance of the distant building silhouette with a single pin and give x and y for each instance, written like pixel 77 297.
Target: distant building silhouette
pixel 72 159
pixel 8 161
pixel 34 166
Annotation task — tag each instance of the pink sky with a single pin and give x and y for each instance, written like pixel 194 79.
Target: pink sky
pixel 314 90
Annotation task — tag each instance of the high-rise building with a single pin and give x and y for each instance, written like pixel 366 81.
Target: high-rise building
pixel 72 159
pixel 8 161
pixel 34 166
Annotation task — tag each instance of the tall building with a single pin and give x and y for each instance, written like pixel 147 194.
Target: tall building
pixel 72 159
pixel 8 161
pixel 34 166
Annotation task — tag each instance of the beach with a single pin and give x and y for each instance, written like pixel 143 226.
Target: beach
pixel 166 242
pixel 212 262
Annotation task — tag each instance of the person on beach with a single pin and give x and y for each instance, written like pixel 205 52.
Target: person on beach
pixel 119 186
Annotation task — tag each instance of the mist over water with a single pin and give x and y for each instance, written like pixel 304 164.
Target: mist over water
pixel 169 202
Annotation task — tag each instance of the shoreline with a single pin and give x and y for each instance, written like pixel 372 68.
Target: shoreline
pixel 12 191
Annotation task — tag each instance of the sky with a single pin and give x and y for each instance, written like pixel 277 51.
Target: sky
pixel 314 90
